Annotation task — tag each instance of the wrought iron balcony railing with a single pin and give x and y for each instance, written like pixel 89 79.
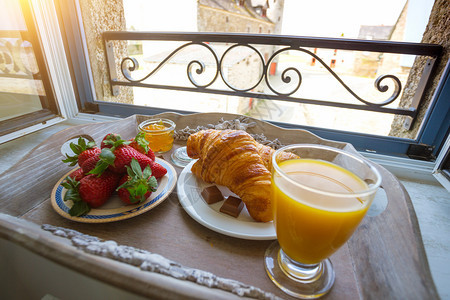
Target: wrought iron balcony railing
pixel 283 44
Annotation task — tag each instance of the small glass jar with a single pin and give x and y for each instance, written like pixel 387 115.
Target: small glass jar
pixel 159 134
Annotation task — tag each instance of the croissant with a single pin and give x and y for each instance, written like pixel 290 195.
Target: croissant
pixel 234 159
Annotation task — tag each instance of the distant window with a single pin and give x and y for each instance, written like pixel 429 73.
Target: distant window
pixel 26 95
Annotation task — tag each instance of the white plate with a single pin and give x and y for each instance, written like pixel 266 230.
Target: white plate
pixel 114 209
pixel 189 188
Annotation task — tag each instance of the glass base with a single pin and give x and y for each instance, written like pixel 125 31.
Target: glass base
pixel 180 158
pixel 296 279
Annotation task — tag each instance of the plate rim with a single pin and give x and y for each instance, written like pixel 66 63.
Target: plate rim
pixel 190 210
pixel 131 213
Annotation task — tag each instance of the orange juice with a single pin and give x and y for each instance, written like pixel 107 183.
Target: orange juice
pixel 159 134
pixel 311 225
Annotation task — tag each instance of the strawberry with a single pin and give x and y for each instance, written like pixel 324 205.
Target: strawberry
pixel 123 157
pixel 82 152
pixel 90 191
pixel 109 139
pixel 95 190
pixel 141 144
pixel 137 185
pixel 90 163
pixel 77 174
pixel 157 170
pixel 151 154
pixel 85 155
pixel 118 157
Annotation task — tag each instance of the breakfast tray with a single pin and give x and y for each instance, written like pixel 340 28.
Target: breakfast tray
pixel 385 257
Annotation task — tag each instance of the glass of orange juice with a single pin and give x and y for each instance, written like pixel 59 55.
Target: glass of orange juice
pixel 319 200
pixel 158 133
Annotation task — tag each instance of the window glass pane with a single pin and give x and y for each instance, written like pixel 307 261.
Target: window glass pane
pixel 21 89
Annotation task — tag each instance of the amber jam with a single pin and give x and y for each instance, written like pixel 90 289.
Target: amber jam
pixel 159 134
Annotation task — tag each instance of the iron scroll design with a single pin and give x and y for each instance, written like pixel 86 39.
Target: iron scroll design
pixel 129 64
pixel 382 88
pixel 135 65
pixel 291 77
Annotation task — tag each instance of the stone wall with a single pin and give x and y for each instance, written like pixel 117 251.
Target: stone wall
pixel 391 64
pixel 218 20
pixel 436 32
pixel 99 16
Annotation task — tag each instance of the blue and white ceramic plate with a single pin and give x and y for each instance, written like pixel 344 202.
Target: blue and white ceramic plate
pixel 114 209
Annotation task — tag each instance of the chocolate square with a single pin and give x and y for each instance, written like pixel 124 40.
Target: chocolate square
pixel 212 194
pixel 232 206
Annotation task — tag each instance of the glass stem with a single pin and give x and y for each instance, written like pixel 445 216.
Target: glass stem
pixel 298 271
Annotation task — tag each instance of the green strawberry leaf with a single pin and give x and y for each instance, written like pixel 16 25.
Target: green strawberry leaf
pixel 134 199
pixel 107 155
pixel 73 160
pixel 78 148
pixel 116 141
pixel 147 172
pixel 70 183
pixel 141 141
pixel 75 148
pixel 83 146
pixel 126 184
pixel 119 143
pixel 108 142
pixel 66 185
pixel 79 208
pixel 72 190
pixel 90 145
pixel 81 142
pixel 139 182
pixel 137 192
pixel 141 190
pixel 130 172
pixel 107 158
pixel 152 183
pixel 111 138
pixel 73 195
pixel 100 167
pixel 136 168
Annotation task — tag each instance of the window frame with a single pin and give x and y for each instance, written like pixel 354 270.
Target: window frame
pixel 48 35
pixel 48 101
pixel 432 132
pixel 441 169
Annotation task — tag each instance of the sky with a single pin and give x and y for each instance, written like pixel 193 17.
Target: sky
pixel 156 15
pixel 331 18
pixel 321 18
pixel 301 17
